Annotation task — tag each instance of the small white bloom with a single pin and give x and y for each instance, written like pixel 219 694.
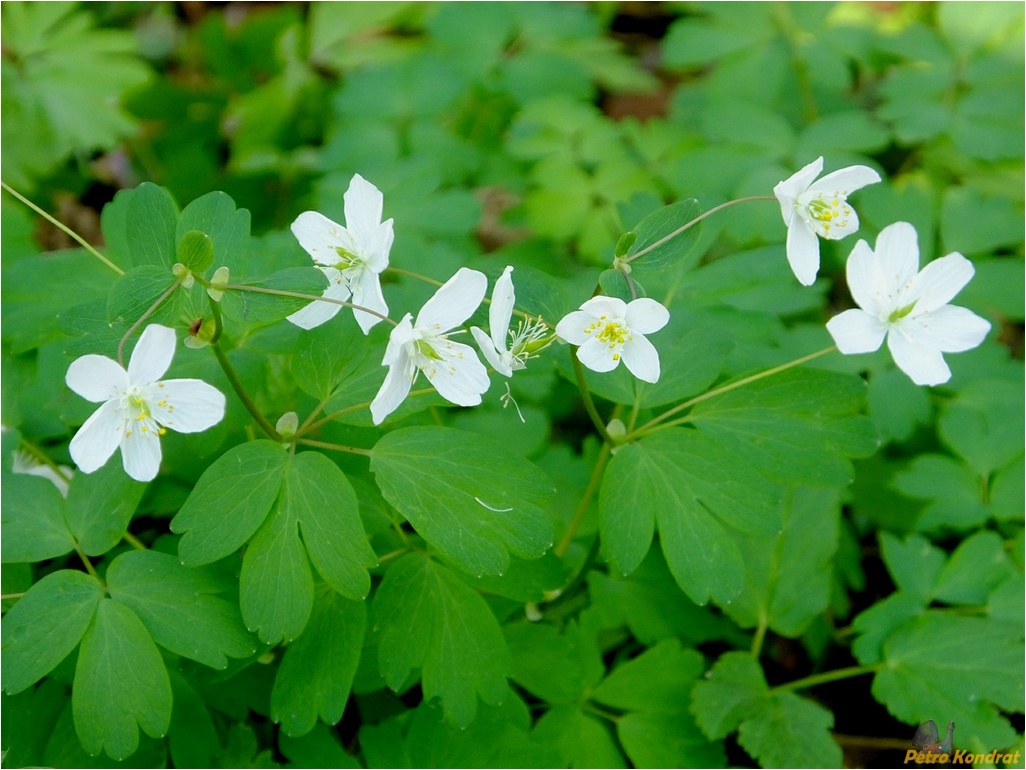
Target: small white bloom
pixel 818 207
pixel 424 346
pixel 607 329
pixel 25 463
pixel 351 257
pixel 138 406
pixel 525 342
pixel 908 306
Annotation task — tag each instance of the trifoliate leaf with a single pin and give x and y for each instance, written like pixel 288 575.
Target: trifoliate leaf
pixel 179 606
pixel 317 494
pixel 33 519
pixel 428 618
pixel 45 625
pixel 100 506
pixel 785 730
pixel 195 251
pixel 121 684
pixel 215 215
pixel 230 502
pixel 467 495
pixel 728 694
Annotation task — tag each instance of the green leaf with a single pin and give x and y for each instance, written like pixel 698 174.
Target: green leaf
pixel 317 494
pixel 318 748
pixel 580 739
pixel 192 739
pixel 32 519
pixel 230 502
pixel 975 223
pixel 328 354
pixel 100 506
pixel 728 694
pixel 467 495
pixel 966 668
pixel 136 291
pixel 981 425
pixel 120 684
pixel 546 663
pixel 915 564
pixel 624 244
pixel 317 671
pixel 975 569
pixel 786 730
pixel 196 251
pixel 179 607
pixel 877 623
pixel 680 479
pixel 654 739
pixel 614 283
pixel 455 641
pixel 659 225
pixel 260 308
pixel 151 218
pixel 657 681
pixel 951 490
pixel 45 625
pixel 227 227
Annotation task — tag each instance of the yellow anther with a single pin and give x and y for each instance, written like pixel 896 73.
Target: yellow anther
pixel 162 431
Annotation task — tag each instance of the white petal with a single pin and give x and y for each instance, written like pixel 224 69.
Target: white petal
pixel 803 252
pixel 501 310
pixel 897 253
pixel 846 180
pixel 367 293
pixel 97 439
pixel 646 316
pixel 571 327
pixel 939 282
pixel 188 406
pixel 380 244
pixel 96 378
pixel 641 358
pixel 865 280
pixel 856 331
pixel 597 356
pixel 459 377
pixel 924 364
pixel 789 190
pixel 491 355
pixel 140 454
pixel 363 204
pixel 393 391
pixel 611 307
pixel 454 302
pixel 840 228
pixel 320 237
pixel 401 334
pixel 317 313
pixel 152 355
pixel 950 329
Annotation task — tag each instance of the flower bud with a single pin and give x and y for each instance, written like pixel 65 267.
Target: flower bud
pixel 287 425
pixel 218 283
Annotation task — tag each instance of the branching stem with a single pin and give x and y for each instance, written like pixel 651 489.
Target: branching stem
pixel 336 447
pixel 828 676
pixel 582 507
pixel 149 311
pixel 302 295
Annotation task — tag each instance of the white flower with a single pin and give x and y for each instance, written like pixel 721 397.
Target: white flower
pixel 607 328
pixel 351 257
pixel 526 341
pixel 818 207
pixel 424 346
pixel 25 463
pixel 907 306
pixel 138 406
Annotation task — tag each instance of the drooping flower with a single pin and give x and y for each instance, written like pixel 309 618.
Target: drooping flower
pixel 529 337
pixel 607 329
pixel 25 463
pixel 138 406
pixel 351 257
pixel 452 368
pixel 907 306
pixel 818 207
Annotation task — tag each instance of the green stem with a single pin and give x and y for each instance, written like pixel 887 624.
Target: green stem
pixel 760 634
pixel 40 455
pixel 63 228
pixel 582 507
pixel 12 596
pixel 149 311
pixel 354 408
pixel 828 676
pixel 693 222
pixel 337 447
pixel 589 405
pixel 88 564
pixel 240 391
pixel 133 541
pixel 727 388
pixel 599 712
pixel 311 297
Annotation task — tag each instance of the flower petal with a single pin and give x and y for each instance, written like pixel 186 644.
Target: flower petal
pixel 787 192
pixel 939 282
pixel 393 390
pixel 454 302
pixel 856 331
pixel 188 406
pixel 646 316
pixel 611 307
pixel 846 180
pixel 950 329
pixel 491 355
pixel 501 310
pixel 96 378
pixel 317 313
pixel 363 205
pixel 897 254
pixel 379 246
pixel 924 364
pixel 597 356
pixel 321 237
pixel 97 439
pixel 803 252
pixel 571 327
pixel 641 358
pixel 152 355
pixel 866 280
pixel 367 293
pixel 140 454
pixel 459 377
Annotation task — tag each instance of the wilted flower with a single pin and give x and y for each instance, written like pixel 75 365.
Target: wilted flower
pixel 529 337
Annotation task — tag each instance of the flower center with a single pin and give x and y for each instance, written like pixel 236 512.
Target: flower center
pixel 830 211
pixel 347 259
pixel 900 313
pixel 613 333
pixel 427 350
pixel 530 338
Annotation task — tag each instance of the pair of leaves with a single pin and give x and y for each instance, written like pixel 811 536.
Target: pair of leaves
pixel 121 684
pixel 258 493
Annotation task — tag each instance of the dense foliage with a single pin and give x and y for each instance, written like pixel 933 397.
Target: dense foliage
pixel 769 557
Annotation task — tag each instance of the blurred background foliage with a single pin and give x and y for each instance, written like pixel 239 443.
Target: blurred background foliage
pixel 537 133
